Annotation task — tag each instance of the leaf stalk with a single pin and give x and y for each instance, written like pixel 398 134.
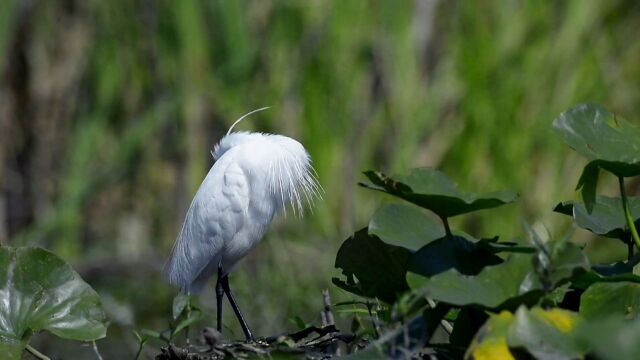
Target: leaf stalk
pixel 627 213
pixel 36 353
pixel 447 228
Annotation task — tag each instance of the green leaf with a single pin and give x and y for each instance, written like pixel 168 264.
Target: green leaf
pixel 491 288
pixel 609 142
pixel 404 225
pixel 606 218
pixel 604 299
pixel 455 253
pixel 372 268
pixel 588 184
pixel 150 334
pixel 195 316
pixel 545 334
pixel 610 338
pixel 415 281
pixel 179 303
pixel 432 190
pixel 42 292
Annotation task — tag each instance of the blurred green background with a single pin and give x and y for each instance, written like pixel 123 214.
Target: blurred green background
pixel 108 110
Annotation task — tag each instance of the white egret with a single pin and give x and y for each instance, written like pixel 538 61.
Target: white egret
pixel 253 176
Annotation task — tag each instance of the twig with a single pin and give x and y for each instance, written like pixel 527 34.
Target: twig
pixel 328 315
pixel 36 353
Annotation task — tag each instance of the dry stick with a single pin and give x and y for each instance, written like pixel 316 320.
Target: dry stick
pixel 327 307
pixel 328 320
pixel 36 353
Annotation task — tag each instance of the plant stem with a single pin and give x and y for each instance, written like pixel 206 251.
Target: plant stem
pixel 36 353
pixel 95 349
pixel 186 330
pixel 627 213
pixel 445 324
pixel 447 229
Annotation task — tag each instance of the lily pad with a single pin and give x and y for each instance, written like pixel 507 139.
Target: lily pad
pixel 42 292
pixel 432 190
pixel 404 225
pixel 606 218
pixel 492 287
pixel 603 299
pixel 372 268
pixel 608 141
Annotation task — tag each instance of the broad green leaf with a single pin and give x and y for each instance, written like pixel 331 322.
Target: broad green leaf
pixel 372 268
pixel 545 334
pixel 606 218
pixel 42 292
pixel 455 253
pixel 609 142
pixel 492 287
pixel 597 134
pixel 432 190
pixel 415 281
pixel 404 225
pixel 491 340
pixel 610 338
pixel 604 299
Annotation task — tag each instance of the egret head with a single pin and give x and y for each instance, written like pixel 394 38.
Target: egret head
pixel 278 163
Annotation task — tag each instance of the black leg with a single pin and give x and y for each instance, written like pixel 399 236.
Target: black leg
pixel 219 294
pixel 236 309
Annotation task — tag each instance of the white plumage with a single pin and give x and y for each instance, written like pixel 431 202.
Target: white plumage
pixel 253 176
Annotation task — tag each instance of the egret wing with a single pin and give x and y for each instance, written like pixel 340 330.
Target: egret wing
pixel 216 214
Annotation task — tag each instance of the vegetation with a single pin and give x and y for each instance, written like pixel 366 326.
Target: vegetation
pixel 425 289
pixel 108 111
pixel 449 294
